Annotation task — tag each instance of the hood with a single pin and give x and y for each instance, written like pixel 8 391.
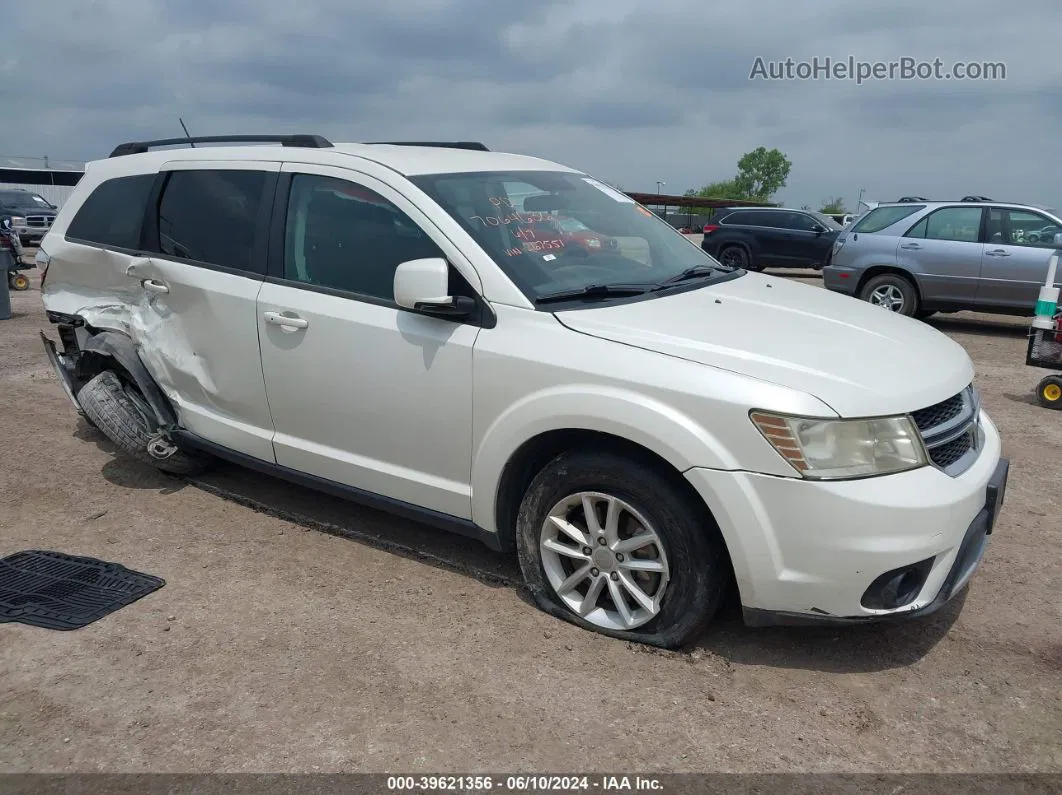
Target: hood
pixel 859 359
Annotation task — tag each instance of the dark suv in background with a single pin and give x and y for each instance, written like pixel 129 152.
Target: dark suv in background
pixel 755 238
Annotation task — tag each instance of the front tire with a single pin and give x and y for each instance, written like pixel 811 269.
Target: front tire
pixel 118 410
pixel 619 549
pixel 892 292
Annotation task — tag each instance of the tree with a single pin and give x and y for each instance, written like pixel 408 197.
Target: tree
pixel 762 173
pixel 834 206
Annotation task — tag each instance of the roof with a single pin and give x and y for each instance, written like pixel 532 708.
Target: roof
pixel 40 164
pixel 962 203
pixel 656 199
pixel 407 160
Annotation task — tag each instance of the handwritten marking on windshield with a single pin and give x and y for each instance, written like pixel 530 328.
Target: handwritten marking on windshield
pixel 512 218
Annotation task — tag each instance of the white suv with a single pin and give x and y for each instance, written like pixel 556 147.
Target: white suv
pixel 641 425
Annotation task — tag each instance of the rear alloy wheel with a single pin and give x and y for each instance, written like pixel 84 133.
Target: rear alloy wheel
pixel 1049 392
pixel 617 548
pixel 892 292
pixel 737 257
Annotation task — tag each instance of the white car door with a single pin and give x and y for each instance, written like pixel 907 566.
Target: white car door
pixel 196 321
pixel 361 392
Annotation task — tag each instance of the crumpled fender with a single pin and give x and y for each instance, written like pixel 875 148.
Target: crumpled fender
pixel 123 351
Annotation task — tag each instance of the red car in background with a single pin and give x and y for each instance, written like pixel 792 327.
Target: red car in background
pixel 574 234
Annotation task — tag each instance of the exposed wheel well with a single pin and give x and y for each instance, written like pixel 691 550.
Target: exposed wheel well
pixel 878 270
pixel 534 454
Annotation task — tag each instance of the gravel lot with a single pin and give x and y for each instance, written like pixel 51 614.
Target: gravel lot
pixel 326 637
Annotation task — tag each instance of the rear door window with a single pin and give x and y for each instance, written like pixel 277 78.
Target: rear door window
pixel 956 224
pixel 212 216
pixel 112 214
pixel 738 218
pixel 883 217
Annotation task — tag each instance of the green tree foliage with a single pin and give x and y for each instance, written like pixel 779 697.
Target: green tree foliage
pixel 833 206
pixel 761 173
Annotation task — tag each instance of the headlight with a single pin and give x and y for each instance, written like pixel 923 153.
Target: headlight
pixel 822 449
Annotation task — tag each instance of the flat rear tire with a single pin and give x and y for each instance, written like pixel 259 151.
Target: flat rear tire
pixel 118 410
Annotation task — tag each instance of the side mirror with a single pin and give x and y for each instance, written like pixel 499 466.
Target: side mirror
pixel 423 286
pixel 1058 239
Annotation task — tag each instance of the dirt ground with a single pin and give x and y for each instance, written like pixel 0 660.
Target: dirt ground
pixel 297 633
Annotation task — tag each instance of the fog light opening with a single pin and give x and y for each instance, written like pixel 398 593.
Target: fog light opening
pixel 898 587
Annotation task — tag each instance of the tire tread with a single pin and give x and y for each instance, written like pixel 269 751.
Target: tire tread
pixel 113 412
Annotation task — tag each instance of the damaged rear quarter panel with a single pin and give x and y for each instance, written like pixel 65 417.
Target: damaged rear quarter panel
pixel 199 341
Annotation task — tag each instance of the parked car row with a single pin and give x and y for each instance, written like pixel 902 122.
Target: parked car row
pixel 919 257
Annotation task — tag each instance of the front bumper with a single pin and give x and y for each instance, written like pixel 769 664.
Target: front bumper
pixel 806 552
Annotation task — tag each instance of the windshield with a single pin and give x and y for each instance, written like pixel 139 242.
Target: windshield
pixel 827 221
pixel 553 232
pixel 24 201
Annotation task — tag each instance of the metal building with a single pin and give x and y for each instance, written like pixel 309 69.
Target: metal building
pixel 53 180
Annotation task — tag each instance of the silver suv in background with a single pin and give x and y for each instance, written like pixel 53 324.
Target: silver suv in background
pixel 917 258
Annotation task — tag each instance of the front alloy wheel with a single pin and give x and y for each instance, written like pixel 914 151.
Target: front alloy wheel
pixel 621 548
pixel 604 560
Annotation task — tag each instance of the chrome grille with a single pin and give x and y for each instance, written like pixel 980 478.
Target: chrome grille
pixel 951 431
pixel 39 221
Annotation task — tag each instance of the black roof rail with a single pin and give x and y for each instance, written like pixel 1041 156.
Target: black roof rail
pixel 473 145
pixel 304 141
pixel 976 199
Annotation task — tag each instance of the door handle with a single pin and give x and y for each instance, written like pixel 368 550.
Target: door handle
pixel 154 286
pixel 277 319
pixel 998 252
pixel 910 246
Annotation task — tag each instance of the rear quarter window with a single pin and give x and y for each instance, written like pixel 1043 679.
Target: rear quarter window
pixel 882 217
pixel 112 214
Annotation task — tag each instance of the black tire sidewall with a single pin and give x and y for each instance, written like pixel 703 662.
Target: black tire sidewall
pixel 110 386
pixel 742 256
pixel 1055 405
pixel 910 294
pixel 698 566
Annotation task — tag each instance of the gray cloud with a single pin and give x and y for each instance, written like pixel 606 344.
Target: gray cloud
pixel 630 90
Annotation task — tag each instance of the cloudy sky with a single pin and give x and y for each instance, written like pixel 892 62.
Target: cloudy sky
pixel 632 91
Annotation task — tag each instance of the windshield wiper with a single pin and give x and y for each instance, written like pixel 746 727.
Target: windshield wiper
pixel 593 291
pixel 692 273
